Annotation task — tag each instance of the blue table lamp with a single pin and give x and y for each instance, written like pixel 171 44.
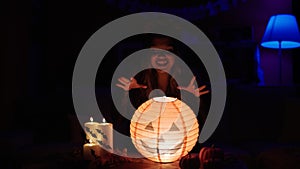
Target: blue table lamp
pixel 281 33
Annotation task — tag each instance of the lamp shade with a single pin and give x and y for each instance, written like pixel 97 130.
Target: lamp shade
pixel 163 129
pixel 281 32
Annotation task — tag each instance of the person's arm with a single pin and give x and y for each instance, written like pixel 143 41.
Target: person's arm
pixel 191 94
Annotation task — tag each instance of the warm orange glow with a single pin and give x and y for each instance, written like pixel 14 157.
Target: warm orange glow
pixel 163 129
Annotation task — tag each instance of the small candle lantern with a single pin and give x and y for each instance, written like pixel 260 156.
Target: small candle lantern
pixel 100 133
pixel 91 150
pixel 105 135
pixel 90 128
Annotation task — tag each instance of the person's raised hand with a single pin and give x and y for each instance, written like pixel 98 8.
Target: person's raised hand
pixel 192 88
pixel 127 84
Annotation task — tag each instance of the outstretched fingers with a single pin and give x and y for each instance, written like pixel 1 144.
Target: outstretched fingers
pixel 127 84
pixel 124 83
pixel 199 91
pixel 123 80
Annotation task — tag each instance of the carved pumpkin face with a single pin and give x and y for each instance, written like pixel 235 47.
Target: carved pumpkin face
pixel 163 129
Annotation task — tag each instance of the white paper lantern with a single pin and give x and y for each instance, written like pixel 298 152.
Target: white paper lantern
pixel 163 129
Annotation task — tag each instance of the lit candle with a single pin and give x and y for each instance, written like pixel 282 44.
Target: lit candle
pixel 90 130
pixel 91 151
pixel 101 134
pixel 105 131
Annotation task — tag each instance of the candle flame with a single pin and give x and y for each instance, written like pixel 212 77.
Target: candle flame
pixel 90 141
pixel 91 119
pixel 103 120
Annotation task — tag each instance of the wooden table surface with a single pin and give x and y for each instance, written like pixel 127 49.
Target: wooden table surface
pixel 148 165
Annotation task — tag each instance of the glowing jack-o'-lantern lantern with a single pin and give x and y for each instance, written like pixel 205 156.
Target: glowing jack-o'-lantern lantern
pixel 164 129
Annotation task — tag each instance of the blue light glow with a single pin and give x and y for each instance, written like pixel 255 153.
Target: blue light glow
pixel 281 32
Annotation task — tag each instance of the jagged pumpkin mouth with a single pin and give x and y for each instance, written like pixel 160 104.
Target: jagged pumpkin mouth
pixel 156 150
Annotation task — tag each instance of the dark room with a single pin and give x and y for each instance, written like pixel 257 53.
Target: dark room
pixel 197 84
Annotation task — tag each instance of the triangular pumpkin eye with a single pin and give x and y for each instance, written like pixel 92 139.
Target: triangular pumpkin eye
pixel 149 127
pixel 174 127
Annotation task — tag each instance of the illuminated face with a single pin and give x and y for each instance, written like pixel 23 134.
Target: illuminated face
pixel 162 60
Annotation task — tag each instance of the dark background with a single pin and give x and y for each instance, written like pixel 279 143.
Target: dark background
pixel 40 41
